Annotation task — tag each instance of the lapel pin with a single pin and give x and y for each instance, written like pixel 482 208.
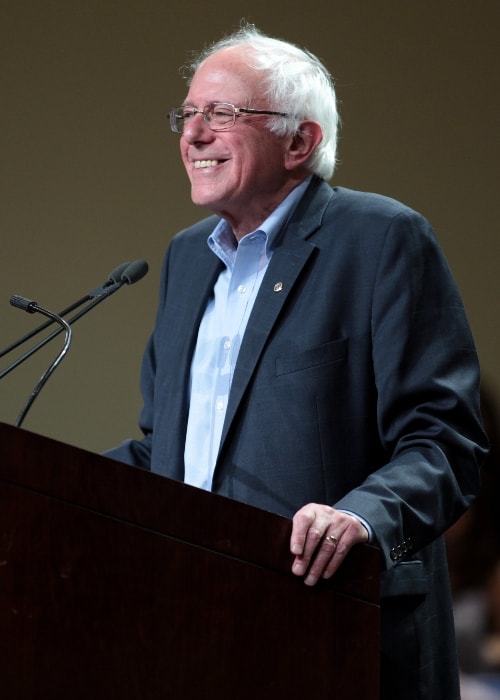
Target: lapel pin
pixel 278 286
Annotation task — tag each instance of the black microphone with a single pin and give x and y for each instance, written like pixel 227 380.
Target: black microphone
pixel 113 279
pixel 32 307
pixel 114 282
pixel 125 274
pixel 135 272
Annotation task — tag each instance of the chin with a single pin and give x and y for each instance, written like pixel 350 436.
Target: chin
pixel 204 199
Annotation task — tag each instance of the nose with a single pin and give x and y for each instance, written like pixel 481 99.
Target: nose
pixel 197 129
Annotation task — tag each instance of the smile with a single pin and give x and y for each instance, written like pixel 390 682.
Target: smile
pixel 206 163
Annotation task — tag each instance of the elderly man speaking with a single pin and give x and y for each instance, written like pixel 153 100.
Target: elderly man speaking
pixel 311 354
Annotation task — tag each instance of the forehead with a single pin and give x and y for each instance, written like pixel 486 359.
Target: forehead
pixel 224 77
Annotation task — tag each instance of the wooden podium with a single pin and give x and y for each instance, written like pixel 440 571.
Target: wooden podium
pixel 119 584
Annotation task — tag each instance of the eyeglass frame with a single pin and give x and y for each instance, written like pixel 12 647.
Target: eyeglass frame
pixel 237 111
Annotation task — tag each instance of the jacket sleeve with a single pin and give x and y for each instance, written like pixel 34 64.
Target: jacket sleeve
pixel 138 452
pixel 427 380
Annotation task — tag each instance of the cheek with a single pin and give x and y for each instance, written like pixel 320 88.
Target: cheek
pixel 269 152
pixel 183 151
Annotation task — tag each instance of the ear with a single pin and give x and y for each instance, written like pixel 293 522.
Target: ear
pixel 303 144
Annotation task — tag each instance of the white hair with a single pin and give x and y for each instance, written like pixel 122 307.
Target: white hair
pixel 294 81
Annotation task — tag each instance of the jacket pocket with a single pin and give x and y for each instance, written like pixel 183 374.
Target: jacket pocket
pixel 407 578
pixel 333 351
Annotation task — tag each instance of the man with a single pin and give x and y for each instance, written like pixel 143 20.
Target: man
pixel 313 358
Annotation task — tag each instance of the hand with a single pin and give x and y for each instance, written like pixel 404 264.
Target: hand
pixel 321 538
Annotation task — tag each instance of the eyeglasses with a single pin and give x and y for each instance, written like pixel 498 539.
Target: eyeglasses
pixel 218 115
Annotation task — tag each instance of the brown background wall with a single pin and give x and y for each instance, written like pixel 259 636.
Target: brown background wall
pixel 90 175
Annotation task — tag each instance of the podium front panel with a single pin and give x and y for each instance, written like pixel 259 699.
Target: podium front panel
pixel 94 604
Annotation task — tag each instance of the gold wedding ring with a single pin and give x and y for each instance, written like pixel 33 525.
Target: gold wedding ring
pixel 333 540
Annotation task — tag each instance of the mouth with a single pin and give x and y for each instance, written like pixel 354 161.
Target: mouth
pixel 200 164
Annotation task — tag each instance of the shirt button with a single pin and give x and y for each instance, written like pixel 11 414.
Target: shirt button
pixel 242 289
pixel 220 405
pixel 227 345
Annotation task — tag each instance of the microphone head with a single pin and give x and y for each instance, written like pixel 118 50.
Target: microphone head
pixel 23 303
pixel 116 275
pixel 135 272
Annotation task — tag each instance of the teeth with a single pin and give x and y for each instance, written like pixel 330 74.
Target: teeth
pixel 205 163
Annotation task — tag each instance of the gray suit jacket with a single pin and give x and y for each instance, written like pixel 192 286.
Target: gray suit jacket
pixel 356 385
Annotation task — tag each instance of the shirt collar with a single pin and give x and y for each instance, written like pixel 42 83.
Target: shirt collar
pixel 223 243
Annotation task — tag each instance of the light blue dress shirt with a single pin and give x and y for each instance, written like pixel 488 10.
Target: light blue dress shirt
pixel 221 332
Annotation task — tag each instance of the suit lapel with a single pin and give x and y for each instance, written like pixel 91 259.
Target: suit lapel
pixel 286 264
pixel 205 268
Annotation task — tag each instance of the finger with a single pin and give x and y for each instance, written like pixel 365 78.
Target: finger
pixel 311 541
pixel 326 560
pixel 309 524
pixel 335 548
pixel 302 521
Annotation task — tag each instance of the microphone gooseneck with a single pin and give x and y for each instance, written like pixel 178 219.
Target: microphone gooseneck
pixel 32 307
pixel 125 274
pixel 113 279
